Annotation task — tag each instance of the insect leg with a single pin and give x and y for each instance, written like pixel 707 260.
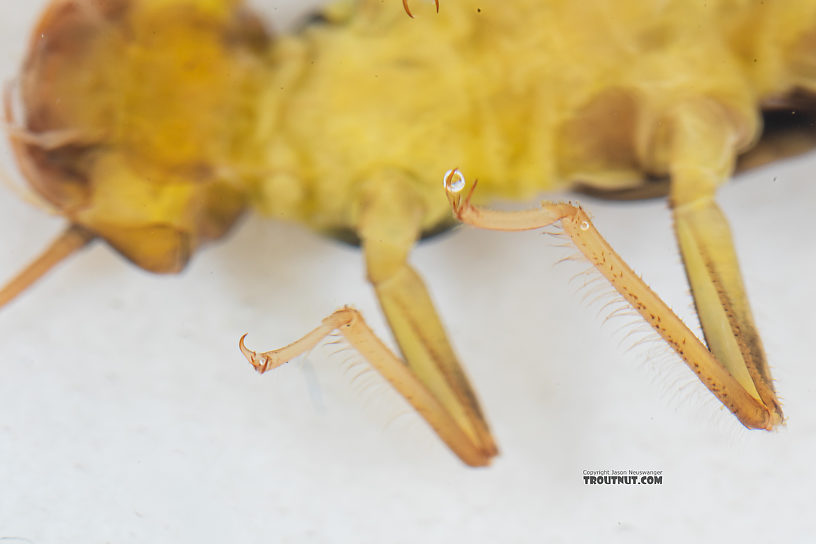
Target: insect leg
pixel 349 322
pixel 72 239
pixel 749 409
pixel 389 224
pixel 702 152
pixel 430 377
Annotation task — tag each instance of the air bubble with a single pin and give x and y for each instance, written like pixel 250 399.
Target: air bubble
pixel 585 225
pixel 454 180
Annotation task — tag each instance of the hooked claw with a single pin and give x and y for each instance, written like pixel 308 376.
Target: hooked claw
pixel 259 362
pixel 408 10
pixel 454 182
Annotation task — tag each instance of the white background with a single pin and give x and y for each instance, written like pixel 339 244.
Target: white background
pixel 127 414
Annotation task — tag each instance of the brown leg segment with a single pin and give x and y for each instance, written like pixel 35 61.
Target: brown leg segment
pixel 751 409
pixel 351 325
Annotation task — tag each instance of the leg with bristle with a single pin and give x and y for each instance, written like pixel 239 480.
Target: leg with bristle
pixel 429 375
pixel 751 409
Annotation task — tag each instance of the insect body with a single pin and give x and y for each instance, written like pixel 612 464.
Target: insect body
pixel 153 124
